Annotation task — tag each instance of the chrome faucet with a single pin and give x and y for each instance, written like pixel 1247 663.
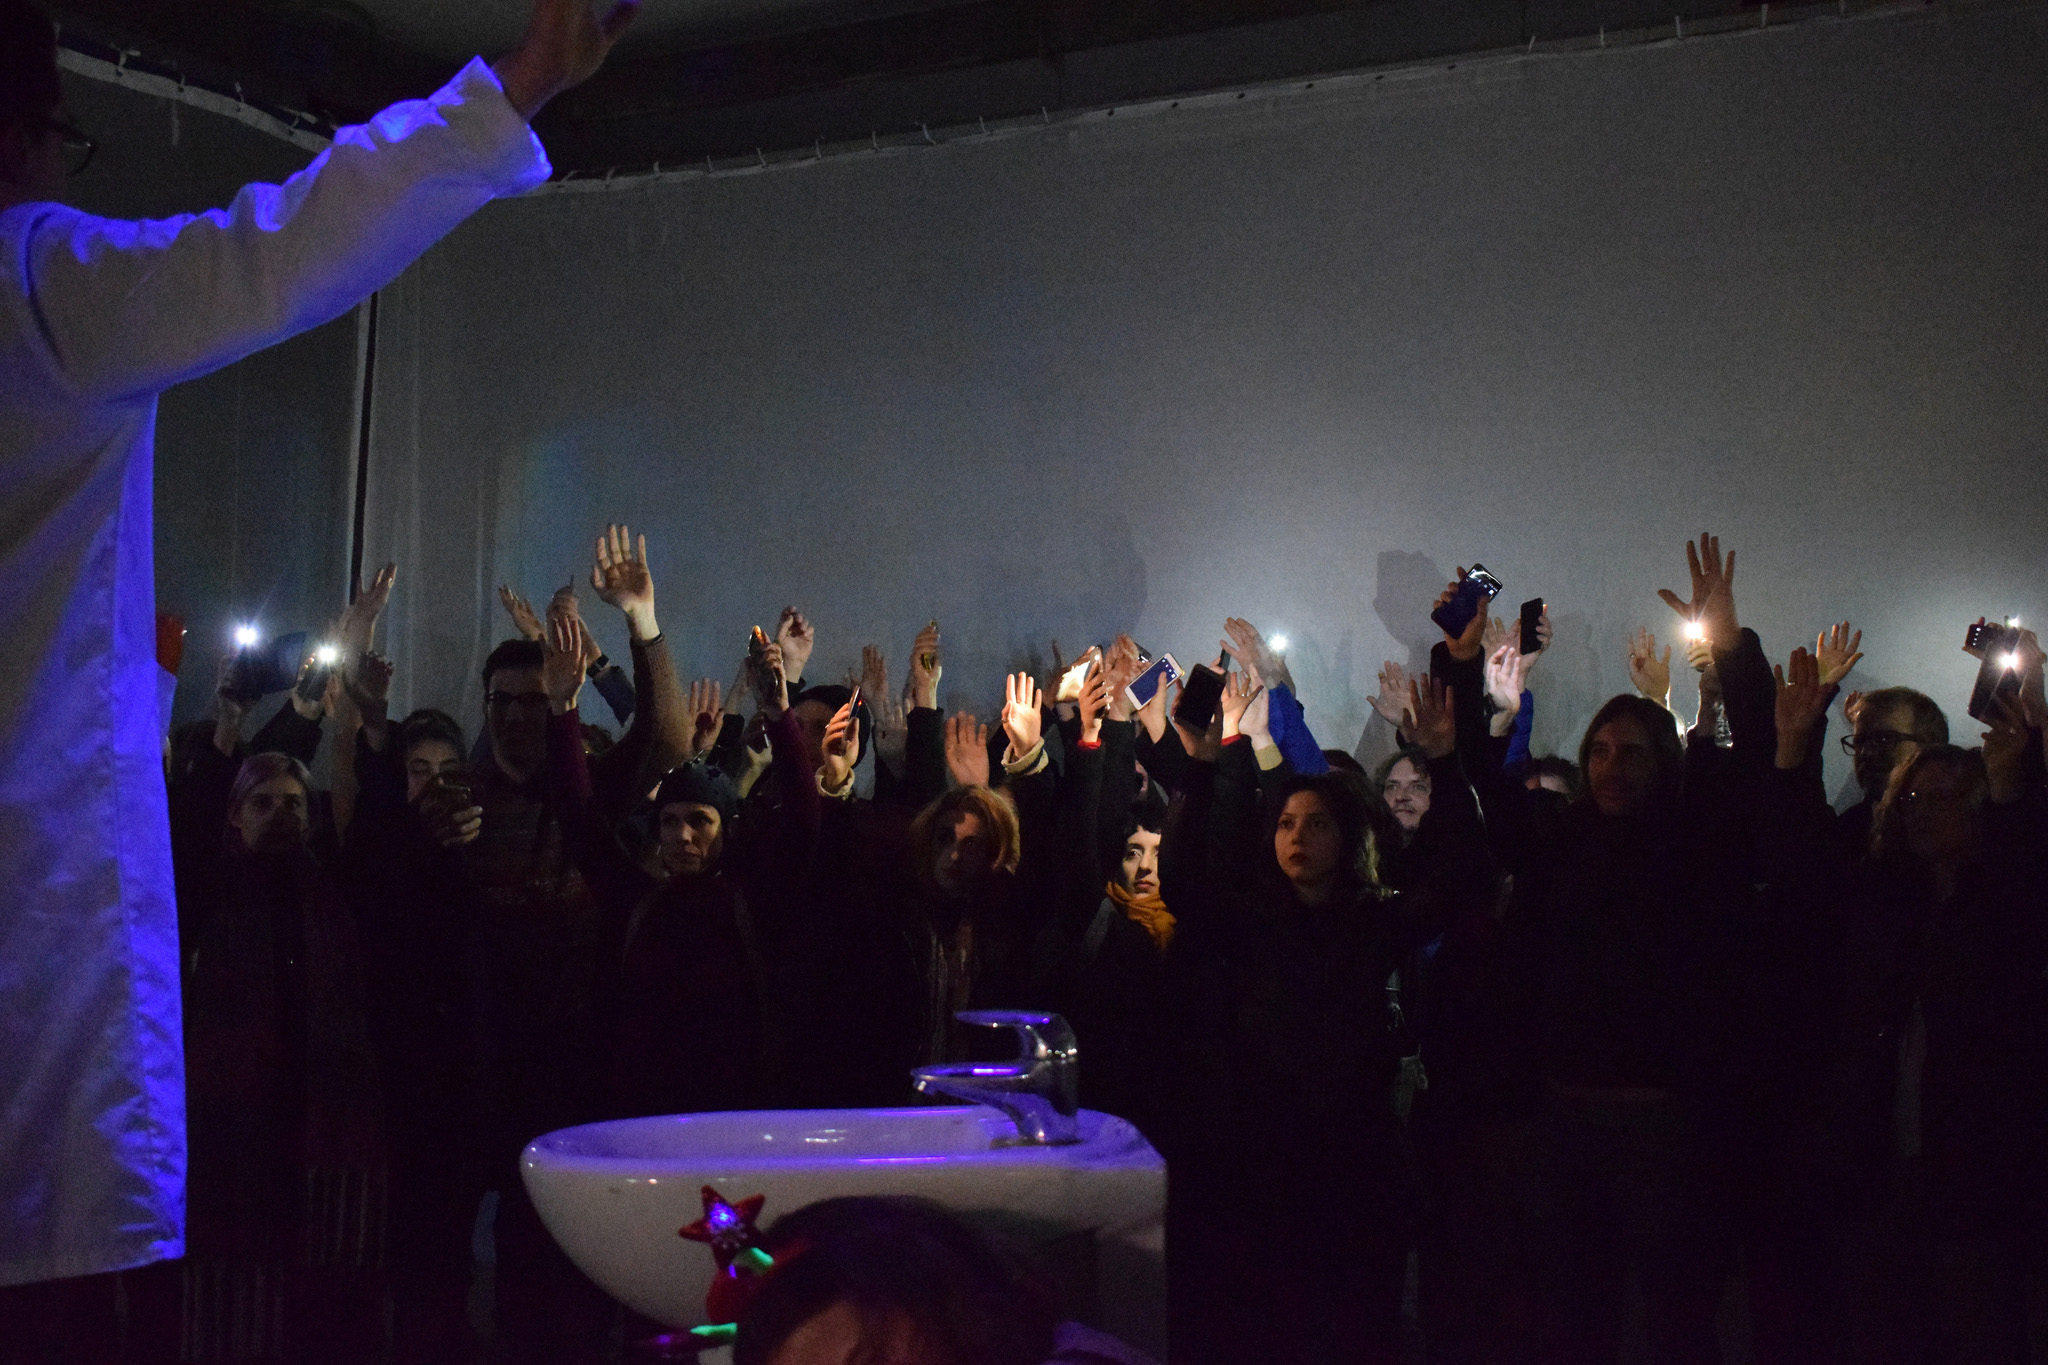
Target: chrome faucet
pixel 1040 1091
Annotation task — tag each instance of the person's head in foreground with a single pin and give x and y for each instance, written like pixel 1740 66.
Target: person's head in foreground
pixel 964 840
pixel 894 1281
pixel 269 806
pixel 1631 756
pixel 695 804
pixel 1888 728
pixel 1932 810
pixel 1323 843
pixel 36 140
pixel 1403 782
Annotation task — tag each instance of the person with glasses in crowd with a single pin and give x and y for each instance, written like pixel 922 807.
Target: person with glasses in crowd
pixel 98 317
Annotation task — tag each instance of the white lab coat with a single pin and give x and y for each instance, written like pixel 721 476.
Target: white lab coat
pixel 96 319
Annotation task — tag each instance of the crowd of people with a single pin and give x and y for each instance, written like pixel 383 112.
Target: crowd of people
pixel 1529 1057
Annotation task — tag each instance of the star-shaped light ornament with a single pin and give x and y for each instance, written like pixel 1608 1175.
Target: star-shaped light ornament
pixel 728 1229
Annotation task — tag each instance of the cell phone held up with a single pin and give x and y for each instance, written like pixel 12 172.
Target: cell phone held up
pixel 1476 587
pixel 1532 626
pixel 1998 674
pixel 1146 685
pixel 1200 691
pixel 263 670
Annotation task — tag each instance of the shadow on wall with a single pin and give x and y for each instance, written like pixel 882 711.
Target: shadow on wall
pixel 1566 686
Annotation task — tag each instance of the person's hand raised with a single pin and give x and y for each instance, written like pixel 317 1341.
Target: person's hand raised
pixel 1244 643
pixel 1504 672
pixel 1021 716
pixel 1802 701
pixel 1255 723
pixel 524 619
pixel 1120 668
pixel 358 625
pixel 561 662
pixel 793 632
pixel 1391 705
pixel 966 750
pixel 706 716
pixel 1469 643
pixel 1093 703
pixel 771 680
pixel 1152 715
pixel 839 754
pixel 926 668
pixel 2005 750
pixel 874 675
pixel 1837 651
pixel 1239 687
pixel 1650 673
pixel 1434 727
pixel 2033 700
pixel 566 42
pixel 1713 593
pixel 620 577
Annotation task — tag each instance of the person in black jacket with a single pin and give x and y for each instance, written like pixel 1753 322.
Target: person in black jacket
pixel 1293 1204
pixel 1628 908
pixel 1934 1123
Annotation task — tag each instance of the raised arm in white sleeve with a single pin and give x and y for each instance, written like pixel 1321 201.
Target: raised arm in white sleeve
pixel 128 308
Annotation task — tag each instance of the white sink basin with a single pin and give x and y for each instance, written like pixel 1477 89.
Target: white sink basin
pixel 614 1194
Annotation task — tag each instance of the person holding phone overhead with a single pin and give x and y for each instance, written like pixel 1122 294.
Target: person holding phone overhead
pixel 97 318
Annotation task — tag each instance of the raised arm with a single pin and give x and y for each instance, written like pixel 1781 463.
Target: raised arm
pixel 124 309
pixel 659 737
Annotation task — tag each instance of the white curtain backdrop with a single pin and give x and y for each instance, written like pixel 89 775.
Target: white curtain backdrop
pixel 1294 359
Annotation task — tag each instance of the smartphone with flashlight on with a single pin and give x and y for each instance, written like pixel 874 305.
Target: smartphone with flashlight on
pixel 1998 671
pixel 1476 587
pixel 1071 680
pixel 264 668
pixel 1146 685
pixel 312 683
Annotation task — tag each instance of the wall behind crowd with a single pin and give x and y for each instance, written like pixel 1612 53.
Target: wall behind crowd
pixel 254 463
pixel 1295 359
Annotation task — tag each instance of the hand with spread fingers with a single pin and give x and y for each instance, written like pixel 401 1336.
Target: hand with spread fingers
pixel 1712 605
pixel 1837 651
pixel 966 750
pixel 1022 718
pixel 561 669
pixel 621 577
pixel 1650 673
pixel 1391 705
pixel 524 619
pixel 1434 727
pixel 1802 703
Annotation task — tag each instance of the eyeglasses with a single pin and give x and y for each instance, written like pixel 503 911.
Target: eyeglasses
pixel 516 701
pixel 78 148
pixel 1877 741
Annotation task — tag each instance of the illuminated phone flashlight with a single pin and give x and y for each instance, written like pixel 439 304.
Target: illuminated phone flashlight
pixel 2011 661
pixel 327 656
pixel 246 637
pixel 1278 644
pixel 1695 631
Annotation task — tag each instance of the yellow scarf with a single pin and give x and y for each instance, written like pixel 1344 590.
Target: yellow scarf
pixel 1147 912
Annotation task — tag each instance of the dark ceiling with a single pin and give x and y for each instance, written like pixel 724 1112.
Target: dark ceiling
pixel 725 79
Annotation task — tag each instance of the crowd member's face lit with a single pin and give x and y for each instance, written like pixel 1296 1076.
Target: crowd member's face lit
pixel 962 854
pixel 516 711
pixel 692 837
pixel 1884 740
pixel 1141 863
pixel 836 1337
pixel 1621 767
pixel 1407 794
pixel 272 816
pixel 426 761
pixel 1308 841
pixel 1939 816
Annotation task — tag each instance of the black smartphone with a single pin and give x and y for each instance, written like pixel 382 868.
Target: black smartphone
pixel 263 670
pixel 1996 675
pixel 1200 690
pixel 1477 586
pixel 1973 638
pixel 1532 620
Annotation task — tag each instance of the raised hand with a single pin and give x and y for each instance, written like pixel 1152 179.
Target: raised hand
pixel 926 668
pixel 1434 729
pixel 2033 702
pixel 524 620
pixel 1713 592
pixel 1499 632
pixel 565 43
pixel 1255 724
pixel 1152 715
pixel 1468 644
pixel 1244 643
pixel 1837 652
pixel 1021 717
pixel 358 625
pixel 1504 677
pixel 1801 703
pixel 450 814
pixel 621 578
pixel 874 675
pixel 840 752
pixel 564 603
pixel 793 632
pixel 706 715
pixel 771 680
pixel 1093 701
pixel 1650 673
pixel 1120 668
pixel 1391 705
pixel 966 750
pixel 561 662
pixel 2005 750
pixel 1239 688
